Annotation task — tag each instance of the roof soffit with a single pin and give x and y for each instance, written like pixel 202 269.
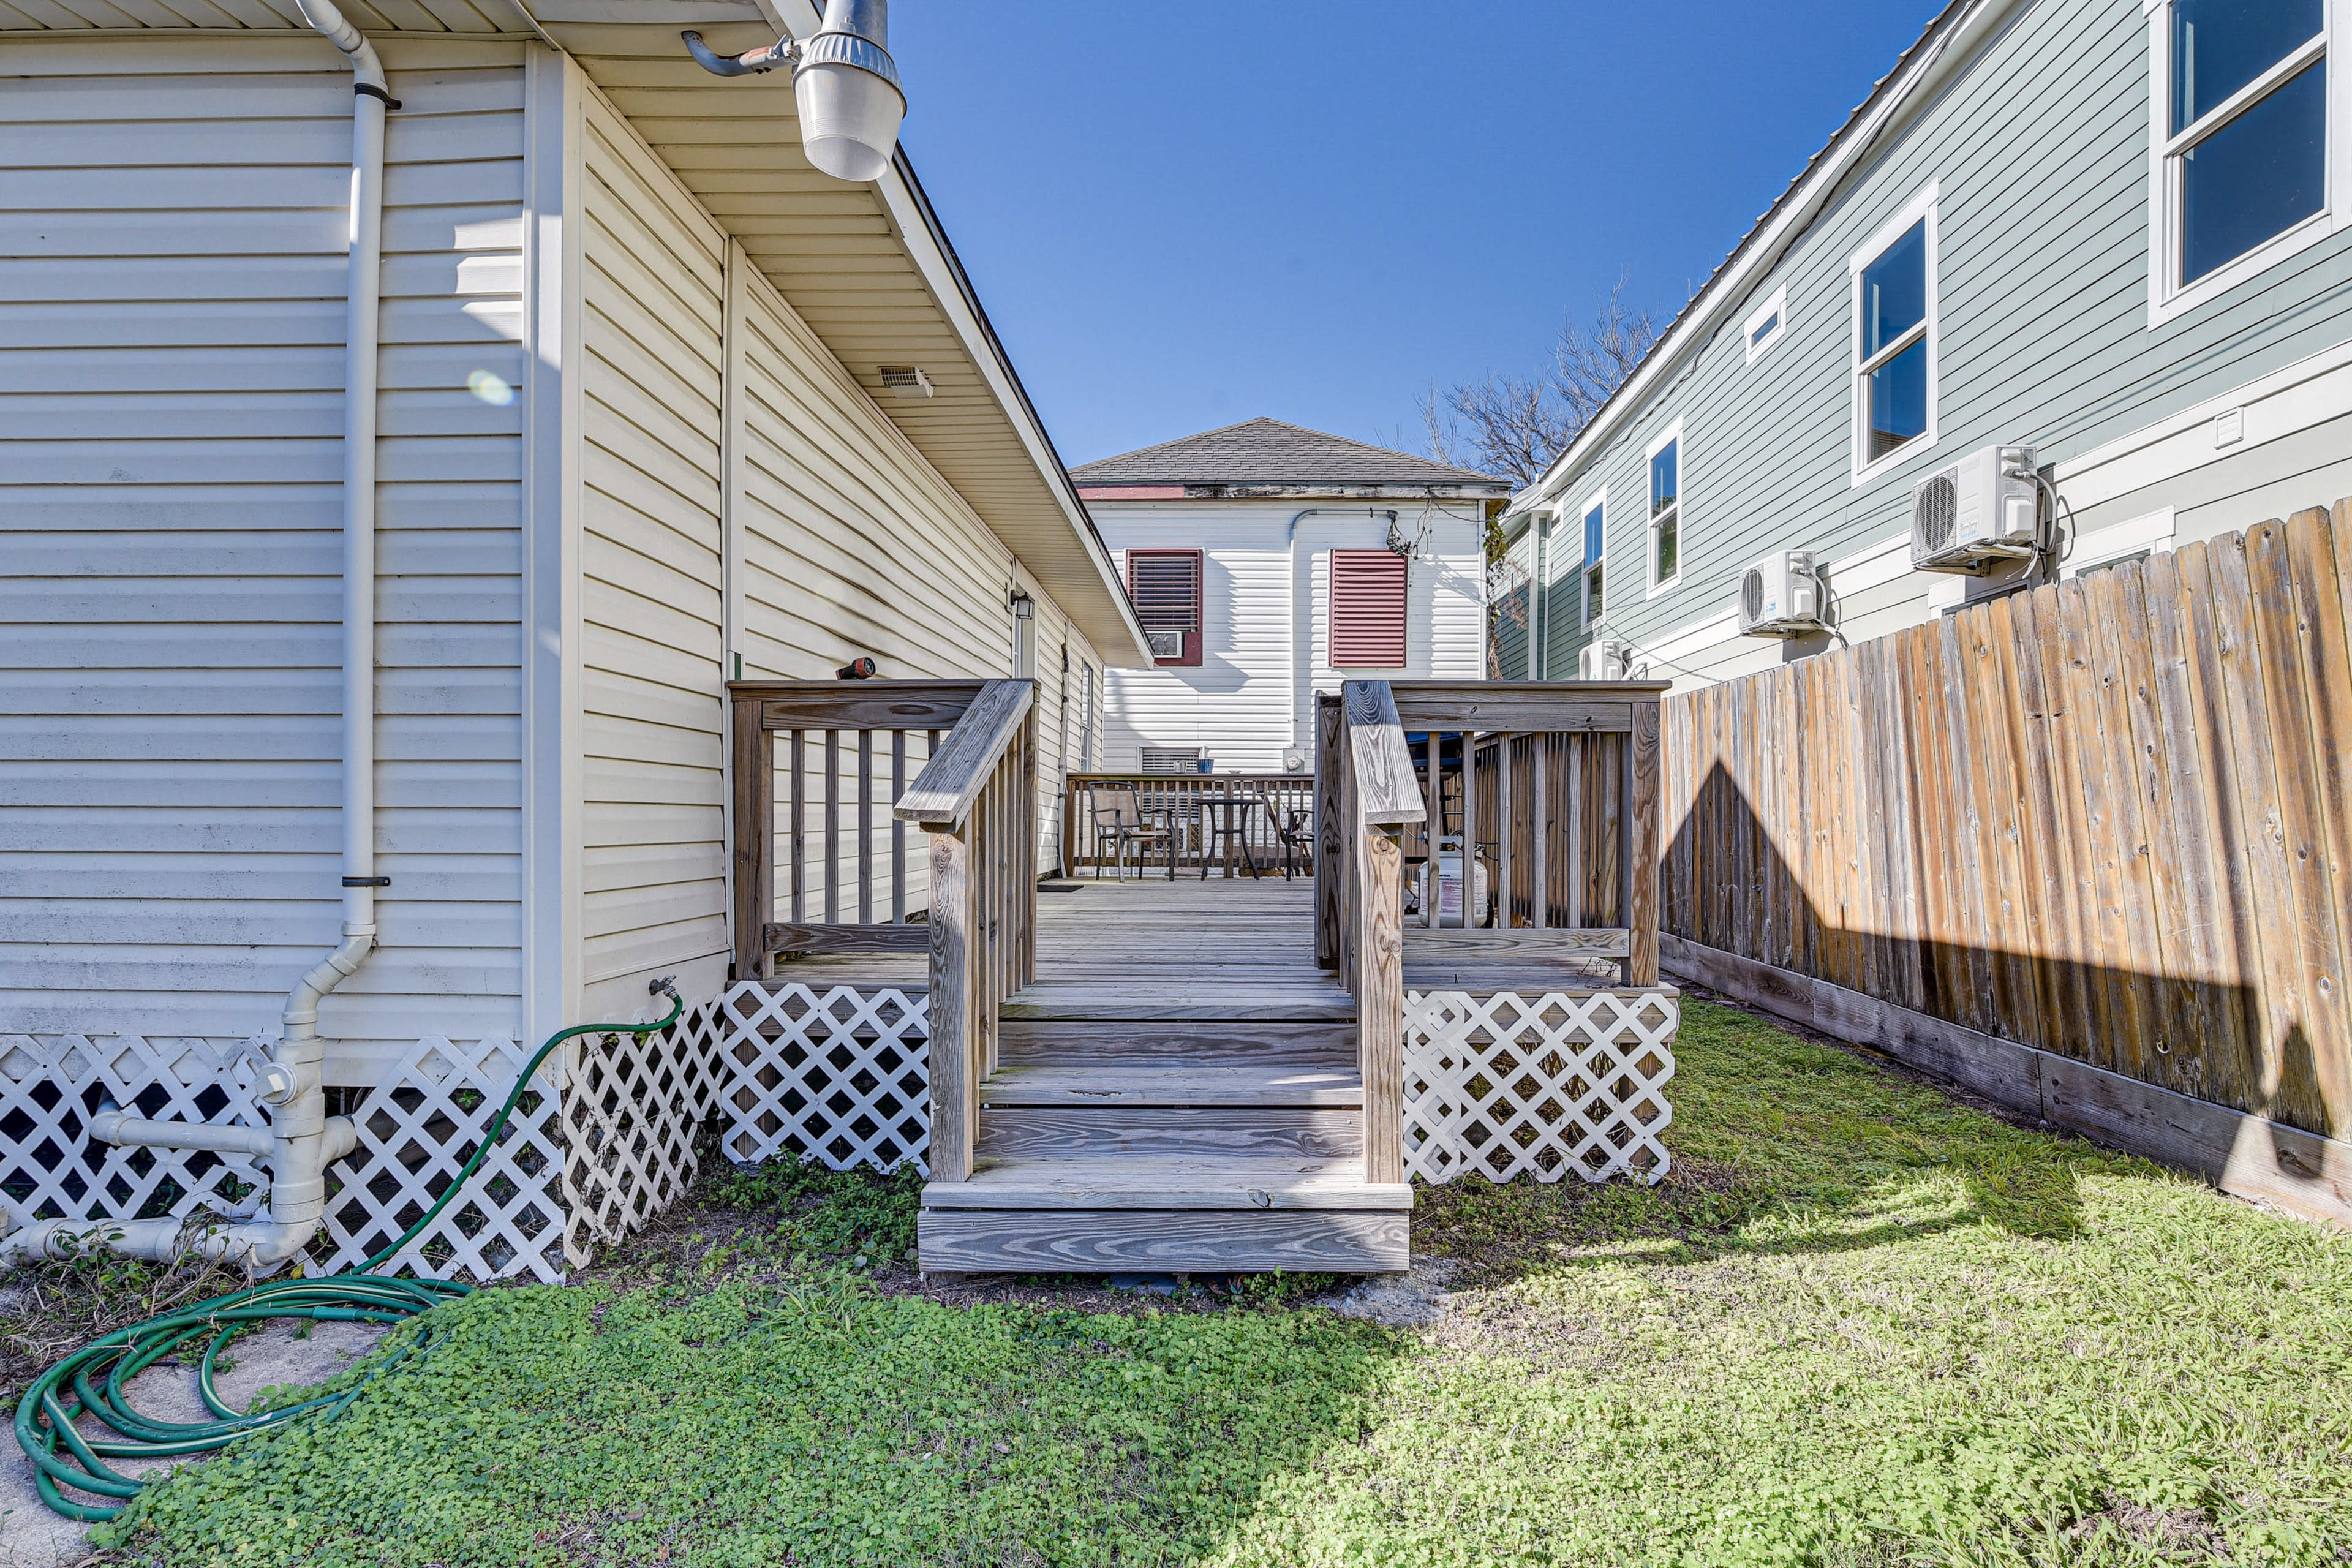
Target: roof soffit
pixel 865 268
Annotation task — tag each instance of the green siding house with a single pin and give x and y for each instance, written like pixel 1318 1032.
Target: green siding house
pixel 2113 234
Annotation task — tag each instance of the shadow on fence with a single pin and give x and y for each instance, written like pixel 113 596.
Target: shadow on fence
pixel 2109 820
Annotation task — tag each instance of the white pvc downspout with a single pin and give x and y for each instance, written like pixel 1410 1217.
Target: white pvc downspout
pixel 298 1188
pixel 301 1139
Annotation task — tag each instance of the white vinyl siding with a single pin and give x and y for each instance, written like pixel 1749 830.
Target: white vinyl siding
pixel 1266 627
pixel 653 861
pixel 173 219
pixel 1236 704
pixel 853 544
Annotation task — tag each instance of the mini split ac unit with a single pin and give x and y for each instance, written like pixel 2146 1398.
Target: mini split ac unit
pixel 1980 509
pixel 1780 596
pixel 1604 659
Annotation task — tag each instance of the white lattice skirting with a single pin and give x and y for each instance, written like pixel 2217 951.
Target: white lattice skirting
pixel 603 1141
pixel 838 1075
pixel 1557 1083
pixel 605 1138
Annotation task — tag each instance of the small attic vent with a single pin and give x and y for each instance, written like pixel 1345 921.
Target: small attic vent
pixel 905 381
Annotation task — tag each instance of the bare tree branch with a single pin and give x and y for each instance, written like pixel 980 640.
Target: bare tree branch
pixel 1589 365
pixel 1517 427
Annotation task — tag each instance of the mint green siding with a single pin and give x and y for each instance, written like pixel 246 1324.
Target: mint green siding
pixel 2039 150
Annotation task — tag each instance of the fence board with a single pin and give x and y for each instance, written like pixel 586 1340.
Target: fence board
pixel 2109 819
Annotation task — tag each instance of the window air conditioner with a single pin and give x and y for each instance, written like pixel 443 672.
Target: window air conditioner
pixel 1981 508
pixel 1603 659
pixel 1780 596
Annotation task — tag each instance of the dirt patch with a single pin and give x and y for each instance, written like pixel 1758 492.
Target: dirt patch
pixel 2179 1535
pixel 1414 1300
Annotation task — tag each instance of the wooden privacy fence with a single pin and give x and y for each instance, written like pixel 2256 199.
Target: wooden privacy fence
pixel 2110 819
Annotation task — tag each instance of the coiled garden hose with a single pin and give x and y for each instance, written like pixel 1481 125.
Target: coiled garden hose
pixel 95 1380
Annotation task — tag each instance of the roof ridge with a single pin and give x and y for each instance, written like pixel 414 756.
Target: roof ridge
pixel 1267 450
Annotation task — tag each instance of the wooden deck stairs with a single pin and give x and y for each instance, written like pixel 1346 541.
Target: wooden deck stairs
pixel 1181 1096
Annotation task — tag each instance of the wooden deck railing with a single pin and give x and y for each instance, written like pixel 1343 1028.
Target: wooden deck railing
pixel 976 796
pixel 1552 787
pixel 1175 800
pixel 978 799
pixel 1369 798
pixel 844 886
pixel 1549 793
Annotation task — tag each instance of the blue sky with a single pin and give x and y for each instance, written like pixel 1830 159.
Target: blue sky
pixel 1181 216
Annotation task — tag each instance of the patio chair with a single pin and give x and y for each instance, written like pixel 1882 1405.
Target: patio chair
pixel 1295 830
pixel 1120 820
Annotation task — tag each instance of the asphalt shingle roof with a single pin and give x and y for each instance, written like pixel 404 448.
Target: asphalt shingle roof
pixel 1269 452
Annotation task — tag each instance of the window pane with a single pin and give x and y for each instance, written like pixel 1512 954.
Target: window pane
pixel 2261 174
pixel 2220 46
pixel 1669 536
pixel 1894 291
pixel 1663 481
pixel 1592 536
pixel 1898 400
pixel 1591 595
pixel 1764 328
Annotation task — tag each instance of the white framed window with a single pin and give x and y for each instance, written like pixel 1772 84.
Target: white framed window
pixel 1666 467
pixel 2243 127
pixel 1767 324
pixel 1893 282
pixel 1595 514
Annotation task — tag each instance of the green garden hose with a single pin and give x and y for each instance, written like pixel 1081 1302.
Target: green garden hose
pixel 95 1380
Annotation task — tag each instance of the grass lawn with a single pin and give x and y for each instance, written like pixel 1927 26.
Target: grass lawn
pixel 1863 1323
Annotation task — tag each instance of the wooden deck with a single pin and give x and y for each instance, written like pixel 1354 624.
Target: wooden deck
pixel 1155 1073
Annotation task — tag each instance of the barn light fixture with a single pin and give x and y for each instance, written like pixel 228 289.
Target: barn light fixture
pixel 843 81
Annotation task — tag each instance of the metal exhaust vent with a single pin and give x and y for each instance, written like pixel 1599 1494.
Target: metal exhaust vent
pixel 905 381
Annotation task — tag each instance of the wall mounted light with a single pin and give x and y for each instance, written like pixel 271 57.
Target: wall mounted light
pixel 843 82
pixel 1024 634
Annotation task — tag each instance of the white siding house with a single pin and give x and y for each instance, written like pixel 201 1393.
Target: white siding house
pixel 1266 504
pixel 633 442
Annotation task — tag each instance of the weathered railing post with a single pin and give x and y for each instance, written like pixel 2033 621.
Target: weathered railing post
pixel 955 1004
pixel 755 834
pixel 1381 798
pixel 1642 846
pixel 978 799
pixel 1329 792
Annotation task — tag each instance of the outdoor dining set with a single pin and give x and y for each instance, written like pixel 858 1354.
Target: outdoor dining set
pixel 1231 827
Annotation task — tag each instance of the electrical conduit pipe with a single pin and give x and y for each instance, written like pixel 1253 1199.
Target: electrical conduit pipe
pixel 298 1139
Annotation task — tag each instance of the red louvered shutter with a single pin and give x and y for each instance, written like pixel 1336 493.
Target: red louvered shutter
pixel 1165 587
pixel 1368 594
